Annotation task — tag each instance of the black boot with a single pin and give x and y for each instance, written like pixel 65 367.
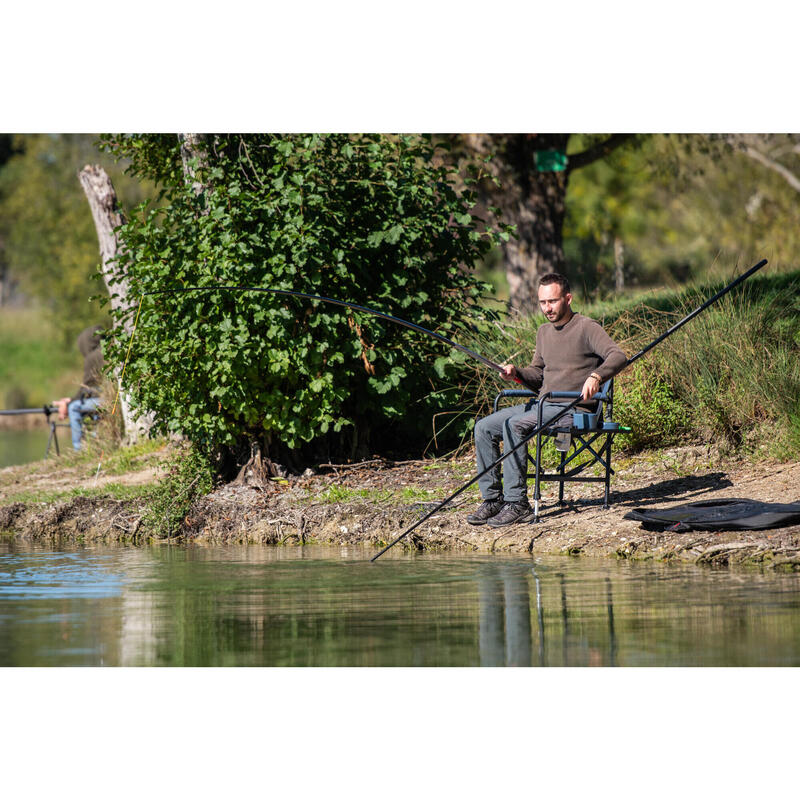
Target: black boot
pixel 511 514
pixel 486 510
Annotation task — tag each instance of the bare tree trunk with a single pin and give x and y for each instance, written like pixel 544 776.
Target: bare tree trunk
pixel 619 264
pixel 106 214
pixel 194 155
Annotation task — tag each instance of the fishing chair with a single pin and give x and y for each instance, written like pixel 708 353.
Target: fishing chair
pixel 590 433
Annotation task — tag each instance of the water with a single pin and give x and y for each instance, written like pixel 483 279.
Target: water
pixel 24 446
pixel 316 606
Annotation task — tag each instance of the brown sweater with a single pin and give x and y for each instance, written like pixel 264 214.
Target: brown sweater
pixel 565 356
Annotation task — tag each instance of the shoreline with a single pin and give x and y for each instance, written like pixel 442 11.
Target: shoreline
pixel 371 504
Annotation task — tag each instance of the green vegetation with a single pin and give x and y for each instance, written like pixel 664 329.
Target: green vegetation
pixel 731 376
pixel 188 476
pixel 36 367
pixel 125 459
pixel 380 221
pixel 346 494
pixel 369 219
pixel 48 242
pixel 117 491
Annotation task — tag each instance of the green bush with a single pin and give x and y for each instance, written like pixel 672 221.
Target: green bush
pixel 366 219
pixel 188 475
pixel 731 375
pixel 645 402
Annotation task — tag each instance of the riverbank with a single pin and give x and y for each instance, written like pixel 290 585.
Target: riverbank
pixel 372 502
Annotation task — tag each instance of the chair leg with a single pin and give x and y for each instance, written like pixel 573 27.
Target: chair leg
pixel 606 504
pixel 538 472
pixel 561 482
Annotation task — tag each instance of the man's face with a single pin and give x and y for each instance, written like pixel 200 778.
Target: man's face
pixel 554 304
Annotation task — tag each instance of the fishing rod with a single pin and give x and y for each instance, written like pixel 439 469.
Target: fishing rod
pixel 566 408
pixel 412 325
pixel 46 410
pixel 502 458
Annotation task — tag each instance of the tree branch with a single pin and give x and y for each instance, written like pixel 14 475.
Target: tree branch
pixel 598 151
pixel 770 163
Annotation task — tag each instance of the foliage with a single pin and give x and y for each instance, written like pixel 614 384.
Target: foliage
pixel 48 237
pixel 679 204
pixel 188 475
pixel 646 403
pixel 368 219
pixel 731 376
pixel 740 366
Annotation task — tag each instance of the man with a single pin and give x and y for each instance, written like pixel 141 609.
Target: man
pixel 87 398
pixel 573 354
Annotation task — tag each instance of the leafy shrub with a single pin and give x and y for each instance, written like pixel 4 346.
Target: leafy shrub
pixel 366 219
pixel 645 402
pixel 188 475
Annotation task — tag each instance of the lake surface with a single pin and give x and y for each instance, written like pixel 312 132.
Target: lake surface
pixel 324 606
pixel 24 446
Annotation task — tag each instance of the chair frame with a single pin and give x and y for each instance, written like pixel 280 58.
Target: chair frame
pixel 585 431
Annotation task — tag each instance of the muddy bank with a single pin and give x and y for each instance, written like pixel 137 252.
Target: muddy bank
pixel 374 502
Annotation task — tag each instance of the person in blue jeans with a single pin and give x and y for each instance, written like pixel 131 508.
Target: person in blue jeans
pixel 87 399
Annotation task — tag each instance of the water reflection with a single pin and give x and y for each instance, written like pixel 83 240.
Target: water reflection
pixel 504 618
pixel 330 607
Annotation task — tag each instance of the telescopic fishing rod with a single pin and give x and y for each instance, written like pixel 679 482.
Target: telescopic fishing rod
pixel 502 458
pixel 567 408
pixel 412 325
pixel 46 410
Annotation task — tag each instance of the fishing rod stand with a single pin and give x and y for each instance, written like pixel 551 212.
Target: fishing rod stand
pixel 53 437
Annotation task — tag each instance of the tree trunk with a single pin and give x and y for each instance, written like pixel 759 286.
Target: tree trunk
pixel 528 182
pixel 103 201
pixel 194 155
pixel 530 191
pixel 539 246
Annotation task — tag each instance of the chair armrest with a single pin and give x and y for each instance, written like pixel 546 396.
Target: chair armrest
pixel 512 393
pixel 602 395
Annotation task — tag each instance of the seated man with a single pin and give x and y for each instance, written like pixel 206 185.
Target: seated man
pixel 87 398
pixel 573 354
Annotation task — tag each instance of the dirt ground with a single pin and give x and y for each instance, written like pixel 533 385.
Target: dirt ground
pixel 373 502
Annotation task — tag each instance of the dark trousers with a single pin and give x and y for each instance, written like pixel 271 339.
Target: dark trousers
pixel 509 425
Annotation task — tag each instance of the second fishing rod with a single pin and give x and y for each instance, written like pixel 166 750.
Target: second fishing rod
pixel 522 443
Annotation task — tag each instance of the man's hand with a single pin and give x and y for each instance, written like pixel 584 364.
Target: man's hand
pixel 509 372
pixel 590 387
pixel 62 406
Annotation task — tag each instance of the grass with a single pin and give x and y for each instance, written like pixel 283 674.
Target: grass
pixel 731 375
pixel 129 459
pixel 344 494
pixel 37 367
pixel 117 491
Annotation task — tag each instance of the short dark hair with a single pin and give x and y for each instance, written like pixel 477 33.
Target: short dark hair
pixel 555 277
